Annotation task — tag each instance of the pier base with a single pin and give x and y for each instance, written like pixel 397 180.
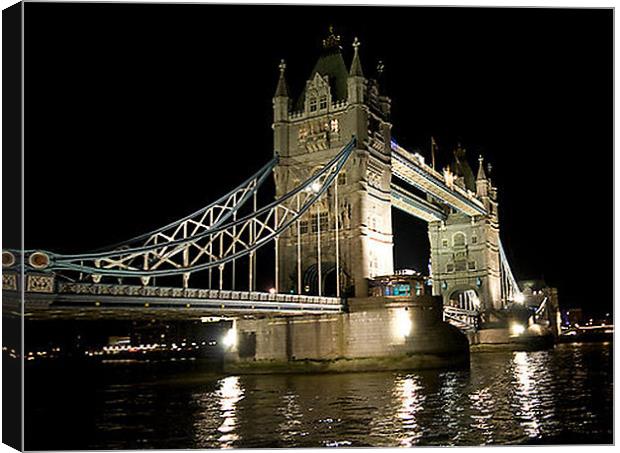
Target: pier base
pixel 376 334
pixel 501 338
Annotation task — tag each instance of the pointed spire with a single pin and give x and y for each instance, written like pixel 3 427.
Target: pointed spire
pixel 356 65
pixel 481 176
pixel 281 89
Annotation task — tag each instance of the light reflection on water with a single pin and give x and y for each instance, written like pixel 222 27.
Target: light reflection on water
pixel 561 396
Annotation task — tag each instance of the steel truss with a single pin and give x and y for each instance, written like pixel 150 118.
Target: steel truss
pixel 202 220
pixel 204 241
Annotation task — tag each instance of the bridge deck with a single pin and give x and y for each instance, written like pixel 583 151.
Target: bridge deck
pixel 97 300
pixel 410 169
pixel 414 205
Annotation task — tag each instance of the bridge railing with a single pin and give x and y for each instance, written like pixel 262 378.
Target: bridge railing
pixel 462 318
pixel 103 289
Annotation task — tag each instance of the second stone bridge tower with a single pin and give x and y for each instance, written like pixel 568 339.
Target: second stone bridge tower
pixel 309 129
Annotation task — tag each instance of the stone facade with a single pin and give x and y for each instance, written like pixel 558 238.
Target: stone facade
pixel 327 118
pixel 465 251
pixel 370 336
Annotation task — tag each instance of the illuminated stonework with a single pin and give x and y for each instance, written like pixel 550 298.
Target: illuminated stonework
pixel 335 105
pixel 40 283
pixel 9 281
pixel 465 254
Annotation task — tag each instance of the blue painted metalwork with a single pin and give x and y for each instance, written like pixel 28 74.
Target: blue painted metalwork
pixel 327 175
pixel 440 185
pixel 417 202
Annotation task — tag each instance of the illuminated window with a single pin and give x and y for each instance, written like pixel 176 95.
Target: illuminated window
pixel 334 126
pixel 313 104
pixel 323 103
pixel 458 240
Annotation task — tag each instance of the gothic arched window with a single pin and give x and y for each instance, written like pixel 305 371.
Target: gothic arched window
pixel 458 240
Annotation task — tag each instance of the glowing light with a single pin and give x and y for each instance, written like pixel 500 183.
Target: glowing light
pixel 206 319
pixel 519 298
pixel 272 290
pixel 403 323
pixel 230 339
pixel 316 186
pixel 517 329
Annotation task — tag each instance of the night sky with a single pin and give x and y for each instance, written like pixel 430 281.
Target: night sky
pixel 139 114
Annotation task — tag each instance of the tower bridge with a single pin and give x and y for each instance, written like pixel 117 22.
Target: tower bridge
pixel 338 173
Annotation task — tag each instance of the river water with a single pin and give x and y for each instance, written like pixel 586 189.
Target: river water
pixel 559 396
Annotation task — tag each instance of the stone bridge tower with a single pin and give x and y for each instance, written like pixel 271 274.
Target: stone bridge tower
pixel 335 105
pixel 465 257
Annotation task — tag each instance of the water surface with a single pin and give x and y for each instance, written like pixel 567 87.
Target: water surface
pixel 562 395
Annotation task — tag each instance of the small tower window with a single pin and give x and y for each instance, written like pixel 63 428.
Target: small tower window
pixel 313 104
pixel 444 243
pixel 449 268
pixel 323 103
pixel 342 178
pixel 474 240
pixel 334 126
pixel 303 227
pixel 471 266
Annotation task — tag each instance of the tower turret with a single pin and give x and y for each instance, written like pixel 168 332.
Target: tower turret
pixel 356 81
pixel 281 104
pixel 482 184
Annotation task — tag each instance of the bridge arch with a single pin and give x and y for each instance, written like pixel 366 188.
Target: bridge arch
pixel 328 279
pixel 466 297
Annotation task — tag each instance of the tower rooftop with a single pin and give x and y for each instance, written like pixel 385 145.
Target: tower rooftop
pixel 330 64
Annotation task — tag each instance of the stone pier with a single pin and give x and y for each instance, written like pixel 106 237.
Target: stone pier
pixel 376 334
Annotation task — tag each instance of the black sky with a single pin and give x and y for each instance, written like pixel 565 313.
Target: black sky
pixel 139 114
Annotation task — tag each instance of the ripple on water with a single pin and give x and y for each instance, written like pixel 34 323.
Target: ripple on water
pixel 561 395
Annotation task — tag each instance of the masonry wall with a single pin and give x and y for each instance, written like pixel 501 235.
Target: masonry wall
pixel 373 332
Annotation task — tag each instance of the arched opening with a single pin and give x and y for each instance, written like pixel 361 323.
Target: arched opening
pixel 465 299
pixel 328 277
pixel 329 283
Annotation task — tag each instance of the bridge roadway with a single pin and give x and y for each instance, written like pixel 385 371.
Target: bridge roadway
pixel 96 301
pixel 410 167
